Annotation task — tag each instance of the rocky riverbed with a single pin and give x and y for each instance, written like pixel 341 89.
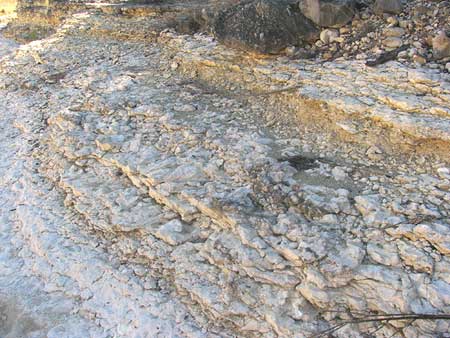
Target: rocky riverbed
pixel 166 186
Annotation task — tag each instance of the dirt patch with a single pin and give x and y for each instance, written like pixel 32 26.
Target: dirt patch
pixel 300 162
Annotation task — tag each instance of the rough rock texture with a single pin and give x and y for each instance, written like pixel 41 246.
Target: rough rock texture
pixel 157 189
pixel 395 107
pixel 362 38
pixel 265 26
pixel 328 13
pixel 441 46
pixel 388 6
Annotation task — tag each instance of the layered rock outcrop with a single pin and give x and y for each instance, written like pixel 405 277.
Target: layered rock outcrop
pixel 152 204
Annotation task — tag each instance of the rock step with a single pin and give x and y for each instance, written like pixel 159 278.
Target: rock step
pixel 114 205
pixel 198 267
pixel 88 268
pixel 265 249
pixel 95 286
pixel 398 108
pixel 175 182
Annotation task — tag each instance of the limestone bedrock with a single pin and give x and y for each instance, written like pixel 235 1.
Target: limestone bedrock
pixel 138 202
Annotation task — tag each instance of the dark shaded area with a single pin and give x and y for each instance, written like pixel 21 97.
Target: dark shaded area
pixel 264 26
pixel 300 162
pixel 388 56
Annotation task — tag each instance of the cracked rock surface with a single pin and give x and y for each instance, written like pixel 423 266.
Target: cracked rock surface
pixel 139 200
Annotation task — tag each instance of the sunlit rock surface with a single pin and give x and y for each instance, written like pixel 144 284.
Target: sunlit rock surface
pixel 157 189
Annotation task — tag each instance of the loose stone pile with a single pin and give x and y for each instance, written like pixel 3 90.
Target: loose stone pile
pixel 377 29
pixel 417 31
pixel 158 207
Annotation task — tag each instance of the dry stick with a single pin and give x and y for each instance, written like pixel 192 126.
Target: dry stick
pixel 401 328
pixel 383 58
pixel 387 318
pixel 388 56
pixel 267 93
pixel 378 328
pixel 276 91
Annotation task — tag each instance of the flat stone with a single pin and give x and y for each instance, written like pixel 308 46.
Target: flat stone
pixel 383 253
pixel 414 257
pixel 394 31
pixel 173 233
pixel 392 42
pixel 367 204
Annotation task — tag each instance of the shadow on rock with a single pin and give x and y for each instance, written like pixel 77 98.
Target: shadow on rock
pixel 264 26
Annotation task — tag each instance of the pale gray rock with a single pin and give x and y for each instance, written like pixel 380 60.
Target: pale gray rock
pixel 339 173
pixel 174 233
pixel 318 201
pixel 436 234
pixel 329 35
pixel 383 253
pixel 328 13
pixel 444 173
pixel 415 257
pixel 132 219
pixel 367 204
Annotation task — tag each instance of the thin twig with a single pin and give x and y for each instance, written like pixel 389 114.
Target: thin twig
pixel 382 318
pixel 378 328
pixel 401 328
pixel 277 91
pixel 388 56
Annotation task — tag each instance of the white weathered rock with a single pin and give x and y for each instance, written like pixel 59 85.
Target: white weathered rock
pixel 145 220
pixel 329 35
pixel 367 204
pixel 415 257
pixel 444 173
pixel 339 173
pixel 383 253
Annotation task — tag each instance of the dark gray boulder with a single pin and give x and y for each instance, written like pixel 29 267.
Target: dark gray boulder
pixel 264 26
pixel 328 13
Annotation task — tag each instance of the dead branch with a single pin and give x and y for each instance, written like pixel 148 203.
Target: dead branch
pixel 383 318
pixel 388 56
